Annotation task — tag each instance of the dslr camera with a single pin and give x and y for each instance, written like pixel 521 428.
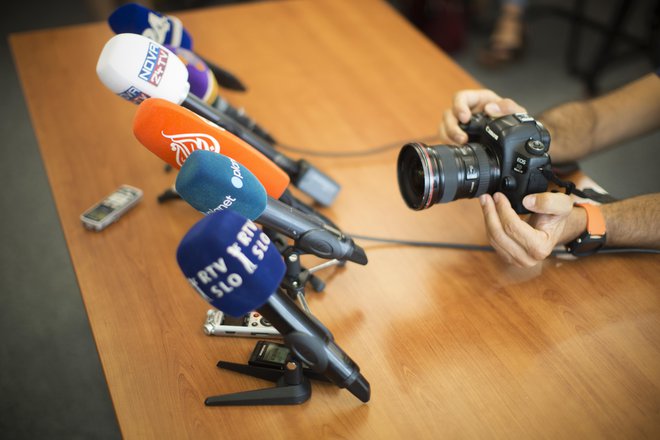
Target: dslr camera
pixel 504 155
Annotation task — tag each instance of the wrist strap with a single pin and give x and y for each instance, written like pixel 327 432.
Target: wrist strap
pixel 569 188
pixel 593 239
pixel 595 219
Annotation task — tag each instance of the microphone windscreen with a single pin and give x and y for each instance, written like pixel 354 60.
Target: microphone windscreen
pixel 213 182
pixel 230 262
pixel 132 18
pixel 172 133
pixel 202 81
pixel 136 68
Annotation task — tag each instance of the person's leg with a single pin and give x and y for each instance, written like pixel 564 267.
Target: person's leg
pixel 508 38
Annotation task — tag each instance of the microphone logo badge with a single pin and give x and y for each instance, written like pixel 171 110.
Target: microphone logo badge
pixel 185 143
pixel 153 66
pixel 237 178
pixel 160 26
pixel 134 95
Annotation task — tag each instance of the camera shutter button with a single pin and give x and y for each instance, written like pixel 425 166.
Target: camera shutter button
pixel 536 148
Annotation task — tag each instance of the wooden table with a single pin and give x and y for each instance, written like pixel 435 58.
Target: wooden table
pixel 454 343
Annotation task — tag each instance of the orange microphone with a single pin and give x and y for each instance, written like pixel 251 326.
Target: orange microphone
pixel 172 133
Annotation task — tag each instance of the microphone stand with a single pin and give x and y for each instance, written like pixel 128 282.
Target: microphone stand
pixel 292 383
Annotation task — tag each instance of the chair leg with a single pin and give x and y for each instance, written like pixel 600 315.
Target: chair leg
pixel 575 37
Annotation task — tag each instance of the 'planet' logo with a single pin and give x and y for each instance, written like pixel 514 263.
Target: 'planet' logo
pixel 237 179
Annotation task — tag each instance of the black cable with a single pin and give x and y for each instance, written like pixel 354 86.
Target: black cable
pixel 627 251
pixel 431 244
pixel 484 248
pixel 365 152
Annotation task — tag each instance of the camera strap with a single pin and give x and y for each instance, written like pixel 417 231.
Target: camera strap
pixel 570 188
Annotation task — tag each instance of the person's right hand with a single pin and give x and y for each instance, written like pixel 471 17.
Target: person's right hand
pixel 468 102
pixel 527 242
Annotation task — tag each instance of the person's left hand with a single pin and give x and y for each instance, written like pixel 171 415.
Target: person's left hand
pixel 526 243
pixel 469 102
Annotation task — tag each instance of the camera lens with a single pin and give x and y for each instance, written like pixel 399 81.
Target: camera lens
pixel 443 173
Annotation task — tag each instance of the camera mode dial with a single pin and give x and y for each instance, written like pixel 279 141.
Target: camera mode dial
pixel 535 147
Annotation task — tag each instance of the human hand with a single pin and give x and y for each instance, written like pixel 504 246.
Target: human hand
pixel 468 102
pixel 527 243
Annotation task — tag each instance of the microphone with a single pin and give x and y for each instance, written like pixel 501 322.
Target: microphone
pixel 235 267
pixel 136 68
pixel 204 86
pixel 202 82
pixel 172 133
pixel 132 18
pixel 208 182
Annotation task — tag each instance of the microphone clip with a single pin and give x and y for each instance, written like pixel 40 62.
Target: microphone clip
pixel 297 276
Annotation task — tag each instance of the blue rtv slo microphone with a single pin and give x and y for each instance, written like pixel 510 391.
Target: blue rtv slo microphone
pixel 212 182
pixel 235 267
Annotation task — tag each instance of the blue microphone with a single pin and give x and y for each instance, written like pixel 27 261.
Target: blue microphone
pixel 212 182
pixel 237 269
pixel 132 18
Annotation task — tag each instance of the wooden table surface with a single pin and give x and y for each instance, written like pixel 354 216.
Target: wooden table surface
pixel 455 344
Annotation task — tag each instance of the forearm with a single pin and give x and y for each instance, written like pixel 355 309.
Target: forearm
pixel 572 127
pixel 632 222
pixel 580 128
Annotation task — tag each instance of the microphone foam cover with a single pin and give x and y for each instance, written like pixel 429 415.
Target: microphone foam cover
pixel 132 18
pixel 136 68
pixel 230 262
pixel 213 182
pixel 172 133
pixel 202 81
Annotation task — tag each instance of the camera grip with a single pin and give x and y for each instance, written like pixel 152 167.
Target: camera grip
pixel 475 125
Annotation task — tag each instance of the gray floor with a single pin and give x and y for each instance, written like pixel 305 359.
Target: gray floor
pixel 51 379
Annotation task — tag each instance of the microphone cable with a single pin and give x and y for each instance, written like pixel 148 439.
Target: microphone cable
pixel 358 153
pixel 486 248
pixel 429 244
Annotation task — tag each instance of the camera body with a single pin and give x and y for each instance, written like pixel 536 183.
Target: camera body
pixel 520 144
pixel 502 155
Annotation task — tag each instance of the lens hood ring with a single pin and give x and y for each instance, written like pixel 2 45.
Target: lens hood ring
pixel 447 173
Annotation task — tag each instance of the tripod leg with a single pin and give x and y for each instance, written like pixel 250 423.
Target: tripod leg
pixel 279 395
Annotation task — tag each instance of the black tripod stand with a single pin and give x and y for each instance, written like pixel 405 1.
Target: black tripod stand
pixel 292 382
pixel 292 385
